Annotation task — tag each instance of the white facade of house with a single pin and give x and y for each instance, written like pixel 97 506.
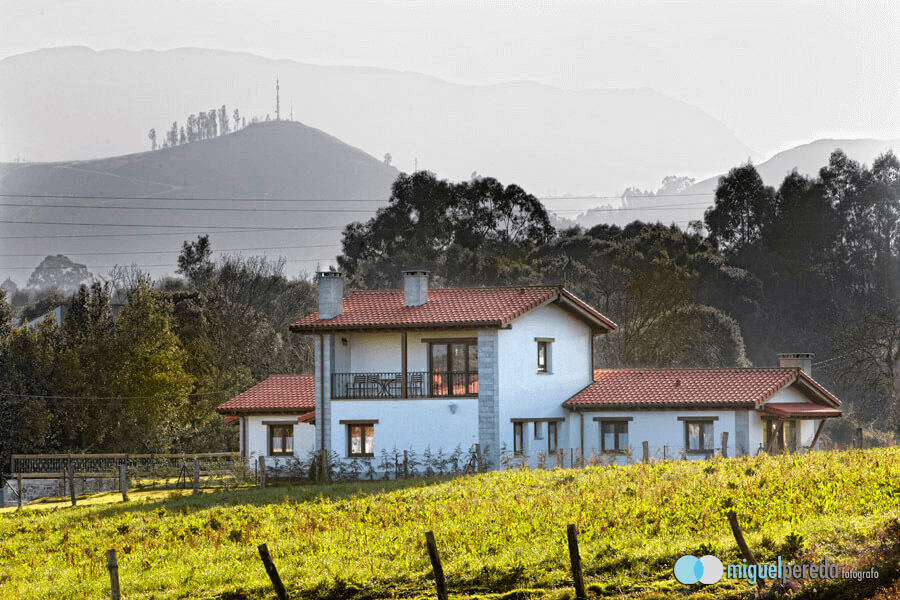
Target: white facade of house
pixel 257 430
pixel 515 406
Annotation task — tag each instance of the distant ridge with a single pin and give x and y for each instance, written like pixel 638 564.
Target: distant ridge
pixel 277 160
pixel 547 139
pixel 807 159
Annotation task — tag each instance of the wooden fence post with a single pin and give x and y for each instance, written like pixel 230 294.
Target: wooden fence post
pixel 71 470
pixel 859 438
pixel 262 472
pixel 724 444
pixel 646 448
pixel 272 571
pixel 113 565
pixel 19 478
pixel 405 464
pixel 575 559
pixel 741 542
pixel 439 581
pixel 196 476
pixel 123 482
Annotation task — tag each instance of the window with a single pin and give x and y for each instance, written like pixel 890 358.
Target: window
pixel 538 430
pixel 551 436
pixel 361 439
pixel 543 354
pixel 281 440
pixel 518 438
pixel 698 436
pixel 614 436
pixel 453 365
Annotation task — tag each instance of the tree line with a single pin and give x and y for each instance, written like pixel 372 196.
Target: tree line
pixel 812 266
pixel 148 379
pixel 203 125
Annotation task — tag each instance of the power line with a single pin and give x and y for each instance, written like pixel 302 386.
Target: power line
pixel 322 210
pixel 93 398
pixel 166 226
pixel 215 209
pixel 177 251
pixel 146 266
pixel 197 231
pixel 263 199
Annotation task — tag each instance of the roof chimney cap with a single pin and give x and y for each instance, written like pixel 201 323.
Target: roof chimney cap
pixel 415 287
pixel 796 359
pixel 331 294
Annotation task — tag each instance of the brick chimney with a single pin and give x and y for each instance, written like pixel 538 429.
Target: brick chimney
pixel 331 294
pixel 415 287
pixel 796 359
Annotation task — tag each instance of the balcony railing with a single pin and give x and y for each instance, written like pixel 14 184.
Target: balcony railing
pixel 389 385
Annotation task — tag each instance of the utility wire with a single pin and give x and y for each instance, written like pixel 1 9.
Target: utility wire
pixel 177 251
pixel 232 199
pixel 324 210
pixel 93 398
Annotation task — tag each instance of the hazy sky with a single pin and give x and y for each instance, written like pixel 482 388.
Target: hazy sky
pixel 775 72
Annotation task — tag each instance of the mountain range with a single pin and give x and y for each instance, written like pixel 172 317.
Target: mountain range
pixel 75 103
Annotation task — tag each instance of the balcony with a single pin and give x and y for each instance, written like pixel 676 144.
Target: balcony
pixel 346 386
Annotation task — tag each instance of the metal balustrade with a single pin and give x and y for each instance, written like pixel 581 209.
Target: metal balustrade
pixel 419 384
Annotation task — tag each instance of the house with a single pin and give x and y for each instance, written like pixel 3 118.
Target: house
pixel 696 412
pixel 440 368
pixel 511 370
pixel 276 418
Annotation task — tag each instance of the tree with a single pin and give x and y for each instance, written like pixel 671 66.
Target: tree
pixel 869 348
pixel 743 207
pixel 237 119
pixel 211 123
pixel 60 273
pixel 152 136
pixel 388 158
pixel 466 232
pixel 194 261
pixel 223 121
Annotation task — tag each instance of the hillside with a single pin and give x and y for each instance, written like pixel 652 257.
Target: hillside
pixel 807 159
pixel 277 160
pixel 546 139
pixel 694 200
pixel 500 535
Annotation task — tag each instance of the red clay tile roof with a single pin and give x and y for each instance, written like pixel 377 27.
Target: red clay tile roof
pixel 277 394
pixel 449 307
pixel 694 388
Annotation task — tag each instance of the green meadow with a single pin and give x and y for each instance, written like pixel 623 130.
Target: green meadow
pixel 500 534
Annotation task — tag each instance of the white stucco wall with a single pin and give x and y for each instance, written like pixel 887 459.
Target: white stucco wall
pixel 409 424
pixel 660 428
pixel 258 440
pixel 524 392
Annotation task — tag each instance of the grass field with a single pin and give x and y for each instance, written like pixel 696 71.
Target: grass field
pixel 501 535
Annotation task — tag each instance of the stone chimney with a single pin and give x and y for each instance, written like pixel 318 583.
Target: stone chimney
pixel 331 294
pixel 415 287
pixel 801 359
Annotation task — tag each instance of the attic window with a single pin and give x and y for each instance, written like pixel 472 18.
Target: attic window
pixel 543 354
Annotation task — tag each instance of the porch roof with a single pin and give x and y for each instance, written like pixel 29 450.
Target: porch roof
pixel 623 389
pixel 458 308
pixel 277 394
pixel 800 410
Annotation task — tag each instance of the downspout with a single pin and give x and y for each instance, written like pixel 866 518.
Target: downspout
pixel 321 418
pixel 581 414
pixel 244 436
